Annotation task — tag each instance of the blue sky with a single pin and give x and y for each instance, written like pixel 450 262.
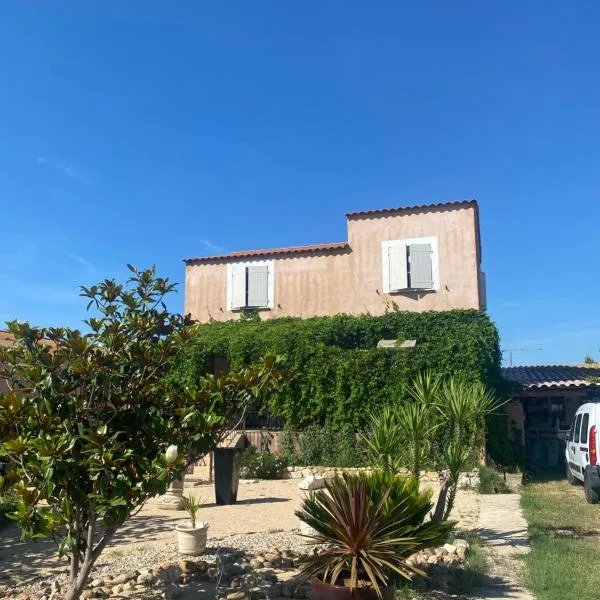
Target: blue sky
pixel 146 132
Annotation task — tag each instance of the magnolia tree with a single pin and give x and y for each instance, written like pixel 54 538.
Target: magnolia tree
pixel 92 426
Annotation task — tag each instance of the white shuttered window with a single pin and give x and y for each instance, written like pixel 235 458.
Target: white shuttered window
pixel 258 286
pixel 250 285
pixel 410 265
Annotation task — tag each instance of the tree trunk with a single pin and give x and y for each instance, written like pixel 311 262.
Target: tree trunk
pixel 440 508
pixel 76 587
pixel 451 498
pixel 91 555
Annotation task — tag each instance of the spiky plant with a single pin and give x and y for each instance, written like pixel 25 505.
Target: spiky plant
pixel 383 440
pixel 416 426
pixel 192 506
pixel 463 407
pixel 369 527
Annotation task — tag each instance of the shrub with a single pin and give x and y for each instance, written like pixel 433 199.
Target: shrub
pixel 323 446
pixel 369 527
pixel 492 481
pixel 261 465
pixel 8 504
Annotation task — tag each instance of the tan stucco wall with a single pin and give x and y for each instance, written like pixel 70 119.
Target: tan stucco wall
pixel 351 281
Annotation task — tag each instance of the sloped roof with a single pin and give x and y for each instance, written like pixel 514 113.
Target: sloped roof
pixel 384 211
pixel 554 376
pixel 338 245
pixel 271 252
pixel 6 339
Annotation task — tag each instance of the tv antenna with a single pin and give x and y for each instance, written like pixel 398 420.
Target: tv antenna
pixel 521 349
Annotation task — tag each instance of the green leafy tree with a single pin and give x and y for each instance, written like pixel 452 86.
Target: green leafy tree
pixel 88 417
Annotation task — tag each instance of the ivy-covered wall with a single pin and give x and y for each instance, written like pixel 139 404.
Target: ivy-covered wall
pixel 340 374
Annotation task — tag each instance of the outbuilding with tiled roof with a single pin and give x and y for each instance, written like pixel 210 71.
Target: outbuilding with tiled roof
pixel 545 400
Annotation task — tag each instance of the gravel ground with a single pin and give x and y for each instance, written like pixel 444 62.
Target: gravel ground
pixel 262 518
pixel 137 557
pixel 140 557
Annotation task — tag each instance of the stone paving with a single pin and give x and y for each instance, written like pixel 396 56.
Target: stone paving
pixel 503 528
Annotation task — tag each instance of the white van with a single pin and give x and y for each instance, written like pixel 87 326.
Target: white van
pixel 581 452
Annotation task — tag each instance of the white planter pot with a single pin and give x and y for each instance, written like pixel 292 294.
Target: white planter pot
pixel 192 541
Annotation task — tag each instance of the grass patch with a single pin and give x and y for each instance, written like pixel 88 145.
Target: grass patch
pixel 476 568
pixel 556 505
pixel 564 561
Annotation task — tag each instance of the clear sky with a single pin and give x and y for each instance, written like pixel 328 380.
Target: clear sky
pixel 150 131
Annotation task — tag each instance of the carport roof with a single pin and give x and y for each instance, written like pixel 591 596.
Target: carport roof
pixel 554 376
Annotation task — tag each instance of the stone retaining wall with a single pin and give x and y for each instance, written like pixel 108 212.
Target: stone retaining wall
pixel 469 479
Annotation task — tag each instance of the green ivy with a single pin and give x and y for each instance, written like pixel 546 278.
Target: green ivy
pixel 339 373
pixel 328 448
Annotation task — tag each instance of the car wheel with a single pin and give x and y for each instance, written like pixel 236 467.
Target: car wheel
pixel 592 495
pixel 570 477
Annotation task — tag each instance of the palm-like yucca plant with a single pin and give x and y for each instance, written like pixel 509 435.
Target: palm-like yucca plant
pixel 369 527
pixel 456 458
pixel 383 440
pixel 416 426
pixel 462 407
pixel 424 388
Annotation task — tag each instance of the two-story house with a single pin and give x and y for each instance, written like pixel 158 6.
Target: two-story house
pixel 419 258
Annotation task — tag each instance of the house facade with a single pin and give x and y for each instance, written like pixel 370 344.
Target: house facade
pixel 414 258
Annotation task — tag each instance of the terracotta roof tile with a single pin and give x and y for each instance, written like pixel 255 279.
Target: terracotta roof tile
pixel 270 252
pixel 8 339
pixel 553 376
pixel 384 211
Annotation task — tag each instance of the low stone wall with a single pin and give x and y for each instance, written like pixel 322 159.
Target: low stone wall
pixel 468 479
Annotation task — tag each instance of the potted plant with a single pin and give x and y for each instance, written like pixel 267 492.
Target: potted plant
pixel 368 526
pixel 192 537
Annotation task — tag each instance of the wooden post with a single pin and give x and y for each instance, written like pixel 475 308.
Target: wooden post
pixel 210 468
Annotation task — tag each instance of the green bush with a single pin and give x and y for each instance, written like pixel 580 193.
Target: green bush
pixel 8 504
pixel 323 446
pixel 492 481
pixel 369 526
pixel 339 373
pixel 261 465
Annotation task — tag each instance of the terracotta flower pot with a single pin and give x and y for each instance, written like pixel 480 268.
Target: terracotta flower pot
pixel 326 591
pixel 192 541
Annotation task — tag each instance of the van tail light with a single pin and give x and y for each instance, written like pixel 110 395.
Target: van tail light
pixel 593 446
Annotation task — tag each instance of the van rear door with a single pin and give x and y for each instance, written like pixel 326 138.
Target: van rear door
pixel 573 447
pixel 583 449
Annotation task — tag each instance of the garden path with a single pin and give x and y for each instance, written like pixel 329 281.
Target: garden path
pixel 503 529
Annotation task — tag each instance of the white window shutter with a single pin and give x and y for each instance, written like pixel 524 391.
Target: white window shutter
pixel 421 271
pixel 258 286
pixel 238 287
pixel 397 267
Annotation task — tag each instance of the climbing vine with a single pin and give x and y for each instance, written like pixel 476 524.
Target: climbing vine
pixel 339 373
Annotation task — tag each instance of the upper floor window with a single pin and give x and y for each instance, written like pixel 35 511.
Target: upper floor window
pixel 250 285
pixel 410 264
